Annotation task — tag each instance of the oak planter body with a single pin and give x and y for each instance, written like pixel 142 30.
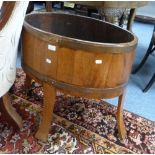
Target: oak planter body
pixel 79 55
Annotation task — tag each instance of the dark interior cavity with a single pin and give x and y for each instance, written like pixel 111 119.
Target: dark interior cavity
pixel 79 27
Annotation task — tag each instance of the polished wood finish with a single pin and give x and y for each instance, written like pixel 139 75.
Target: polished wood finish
pixel 145 19
pixel 74 89
pixel 113 4
pixel 48 6
pixel 120 122
pixel 9 113
pixel 49 100
pixel 6 10
pixel 72 66
pixel 131 19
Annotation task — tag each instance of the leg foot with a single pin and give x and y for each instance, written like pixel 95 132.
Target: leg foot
pixel 120 122
pixel 49 100
pixel 9 112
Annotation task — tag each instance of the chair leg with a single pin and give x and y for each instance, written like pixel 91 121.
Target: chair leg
pixel 48 6
pixel 120 122
pixel 148 86
pixel 149 51
pixel 131 19
pixel 9 113
pixel 49 100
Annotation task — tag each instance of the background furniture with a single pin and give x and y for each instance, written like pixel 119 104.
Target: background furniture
pixel 149 51
pixel 117 12
pixel 120 13
pixel 11 21
pixel 147 17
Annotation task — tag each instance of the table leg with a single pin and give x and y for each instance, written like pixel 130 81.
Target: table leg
pixel 120 122
pixel 131 19
pixel 49 100
pixel 48 6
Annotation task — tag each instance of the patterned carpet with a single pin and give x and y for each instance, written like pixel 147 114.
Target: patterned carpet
pixel 79 126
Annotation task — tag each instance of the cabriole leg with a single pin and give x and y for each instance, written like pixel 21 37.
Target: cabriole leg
pixel 120 122
pixel 49 100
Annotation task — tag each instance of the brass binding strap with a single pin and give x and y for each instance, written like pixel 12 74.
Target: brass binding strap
pixel 71 87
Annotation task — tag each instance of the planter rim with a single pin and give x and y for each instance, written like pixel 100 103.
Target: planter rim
pixel 63 41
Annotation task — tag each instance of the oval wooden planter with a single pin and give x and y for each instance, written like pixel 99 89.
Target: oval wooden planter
pixel 79 55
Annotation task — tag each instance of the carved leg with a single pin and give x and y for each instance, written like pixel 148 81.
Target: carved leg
pixel 120 122
pixel 49 100
pixel 11 116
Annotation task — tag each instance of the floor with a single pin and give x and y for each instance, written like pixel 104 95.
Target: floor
pixel 136 101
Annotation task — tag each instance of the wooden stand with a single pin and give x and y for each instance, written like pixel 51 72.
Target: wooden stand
pixel 47 114
pixel 120 121
pixel 49 100
pixel 88 63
